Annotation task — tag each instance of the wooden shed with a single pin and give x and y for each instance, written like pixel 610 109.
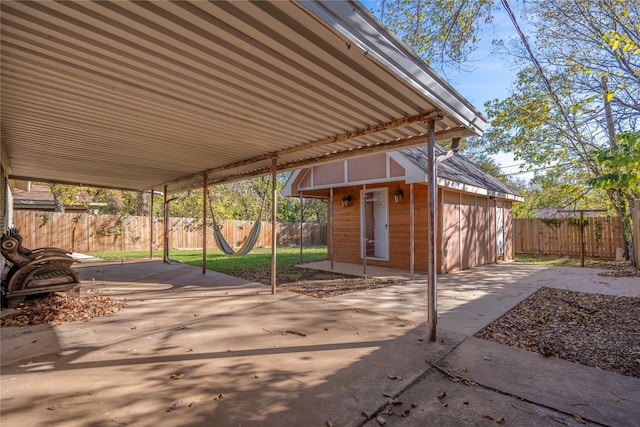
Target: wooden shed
pixel 378 210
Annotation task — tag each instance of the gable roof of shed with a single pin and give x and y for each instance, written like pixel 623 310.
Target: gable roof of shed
pixel 456 172
pixel 459 169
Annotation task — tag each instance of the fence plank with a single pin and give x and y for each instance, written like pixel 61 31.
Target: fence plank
pixel 561 237
pixel 103 233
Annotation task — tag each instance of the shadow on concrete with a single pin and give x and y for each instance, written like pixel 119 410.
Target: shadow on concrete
pixel 240 356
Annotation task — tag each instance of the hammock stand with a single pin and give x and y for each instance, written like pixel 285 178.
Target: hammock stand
pixel 249 242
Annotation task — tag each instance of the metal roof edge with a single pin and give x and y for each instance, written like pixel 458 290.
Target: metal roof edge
pixel 287 189
pixel 468 188
pixel 357 24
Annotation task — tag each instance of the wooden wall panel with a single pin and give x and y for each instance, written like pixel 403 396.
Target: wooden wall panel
pixel 482 229
pixel 330 173
pixel 467 231
pixel 492 232
pixel 450 231
pixel 509 253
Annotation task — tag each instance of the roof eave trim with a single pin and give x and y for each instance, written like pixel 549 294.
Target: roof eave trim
pixel 356 24
pixel 467 188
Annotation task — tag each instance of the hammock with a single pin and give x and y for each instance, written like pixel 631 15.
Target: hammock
pixel 248 243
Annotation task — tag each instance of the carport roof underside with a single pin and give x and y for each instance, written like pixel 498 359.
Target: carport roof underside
pixel 138 95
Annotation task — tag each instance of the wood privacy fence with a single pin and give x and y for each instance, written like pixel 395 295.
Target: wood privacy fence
pixel 602 237
pixel 98 233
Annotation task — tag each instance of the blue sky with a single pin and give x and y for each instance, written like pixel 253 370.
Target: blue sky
pixel 487 76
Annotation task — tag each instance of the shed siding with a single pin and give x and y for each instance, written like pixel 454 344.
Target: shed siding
pixel 346 226
pixel 467 231
pixel 508 231
pixel 492 232
pixel 367 168
pixel 466 235
pixel 482 230
pixel 331 173
pixel 395 170
pixel 399 228
pixel 450 231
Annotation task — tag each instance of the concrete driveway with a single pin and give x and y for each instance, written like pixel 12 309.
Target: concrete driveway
pixel 213 350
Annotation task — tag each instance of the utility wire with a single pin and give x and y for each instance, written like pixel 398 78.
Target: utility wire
pixel 535 170
pixel 507 7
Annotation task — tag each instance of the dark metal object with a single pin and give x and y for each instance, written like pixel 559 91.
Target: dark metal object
pixel 37 271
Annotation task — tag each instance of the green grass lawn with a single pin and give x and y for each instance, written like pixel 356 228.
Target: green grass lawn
pixel 217 261
pixel 567 261
pixel 548 260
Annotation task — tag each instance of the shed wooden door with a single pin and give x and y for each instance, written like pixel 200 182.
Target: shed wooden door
pixel 375 220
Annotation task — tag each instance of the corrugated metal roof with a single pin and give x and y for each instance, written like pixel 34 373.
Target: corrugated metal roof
pixel 136 94
pixel 459 169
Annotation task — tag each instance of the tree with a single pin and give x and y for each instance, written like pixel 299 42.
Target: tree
pixel 441 32
pixel 67 195
pixel 584 94
pixel 620 165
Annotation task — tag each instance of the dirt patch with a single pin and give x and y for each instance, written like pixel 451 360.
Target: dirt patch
pixel 597 330
pixel 315 283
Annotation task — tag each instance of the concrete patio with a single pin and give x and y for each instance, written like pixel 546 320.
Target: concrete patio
pixel 244 357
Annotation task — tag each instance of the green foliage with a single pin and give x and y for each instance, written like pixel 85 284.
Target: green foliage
pixel 68 195
pixel 621 43
pixel 114 230
pixel 595 93
pixel 620 165
pixel 118 202
pixel 523 210
pixel 240 200
pixel 551 222
pixel 441 32
pixel 46 218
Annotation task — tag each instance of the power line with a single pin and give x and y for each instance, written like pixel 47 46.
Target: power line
pixel 507 7
pixel 535 170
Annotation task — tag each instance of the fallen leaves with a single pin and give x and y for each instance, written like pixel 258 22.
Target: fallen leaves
pixel 620 273
pixel 592 329
pixel 58 308
pixel 332 287
pixel 314 283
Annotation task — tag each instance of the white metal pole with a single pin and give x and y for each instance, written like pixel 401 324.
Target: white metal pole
pixel 331 224
pixel 204 223
pixel 274 234
pixel 363 222
pixel 165 245
pixel 412 254
pixel 151 228
pixel 432 312
pixel 301 224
